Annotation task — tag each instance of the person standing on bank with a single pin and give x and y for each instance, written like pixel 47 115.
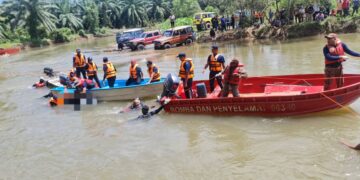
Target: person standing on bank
pixel 109 72
pixel 334 52
pixel 216 63
pixel 186 73
pixel 172 21
pixel 79 63
pixel 92 71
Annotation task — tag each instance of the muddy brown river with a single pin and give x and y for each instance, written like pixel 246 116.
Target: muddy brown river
pixel 39 142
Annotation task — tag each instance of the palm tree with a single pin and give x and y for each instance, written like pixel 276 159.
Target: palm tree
pixel 109 10
pixel 134 12
pixel 158 10
pixel 31 14
pixel 66 18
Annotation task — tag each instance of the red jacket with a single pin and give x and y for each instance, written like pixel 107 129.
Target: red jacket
pixel 233 78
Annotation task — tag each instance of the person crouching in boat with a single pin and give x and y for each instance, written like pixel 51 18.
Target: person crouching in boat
pixel 186 73
pixel 92 71
pixel 135 72
pixel 81 85
pixel 153 71
pixel 334 52
pixel 109 72
pixel 40 84
pixel 232 75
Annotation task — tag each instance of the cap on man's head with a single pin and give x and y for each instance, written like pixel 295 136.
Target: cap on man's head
pixel 105 59
pixel 149 62
pixel 78 50
pixel 331 36
pixel 90 59
pixel 214 47
pixel 181 55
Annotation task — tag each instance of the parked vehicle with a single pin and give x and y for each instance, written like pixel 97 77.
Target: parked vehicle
pixel 176 36
pixel 123 38
pixel 145 39
pixel 203 20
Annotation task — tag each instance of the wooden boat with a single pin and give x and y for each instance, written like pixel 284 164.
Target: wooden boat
pixel 119 92
pixel 285 95
pixel 9 51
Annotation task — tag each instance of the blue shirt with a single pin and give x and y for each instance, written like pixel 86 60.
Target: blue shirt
pixel 155 70
pixel 187 66
pixel 356 3
pixel 330 57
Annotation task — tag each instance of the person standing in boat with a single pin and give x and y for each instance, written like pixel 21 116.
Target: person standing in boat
pixel 109 72
pixel 92 71
pixel 153 71
pixel 216 63
pixel 79 62
pixel 232 75
pixel 334 52
pixel 186 73
pixel 135 72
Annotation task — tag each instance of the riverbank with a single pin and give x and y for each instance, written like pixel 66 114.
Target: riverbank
pixel 331 24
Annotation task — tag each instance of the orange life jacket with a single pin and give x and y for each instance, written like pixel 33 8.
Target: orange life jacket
pixel 338 50
pixel 182 72
pixel 214 64
pixel 110 71
pixel 233 78
pixel 92 68
pixel 132 71
pixel 79 61
pixel 151 71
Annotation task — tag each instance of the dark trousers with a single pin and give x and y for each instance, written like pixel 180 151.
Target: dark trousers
pixel 212 80
pixel 355 10
pixel 133 81
pixel 111 81
pixel 81 70
pixel 234 89
pixel 188 89
pixel 95 77
pixel 333 73
pixel 172 24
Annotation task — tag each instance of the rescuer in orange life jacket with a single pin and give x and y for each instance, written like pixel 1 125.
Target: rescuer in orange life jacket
pixel 153 71
pixel 109 72
pixel 334 52
pixel 186 73
pixel 135 72
pixel 79 62
pixel 92 71
pixel 216 63
pixel 232 75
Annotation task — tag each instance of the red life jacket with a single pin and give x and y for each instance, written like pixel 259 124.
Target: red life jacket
pixel 233 78
pixel 338 50
pixel 39 85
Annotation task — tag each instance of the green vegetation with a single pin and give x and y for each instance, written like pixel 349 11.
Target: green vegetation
pixel 37 21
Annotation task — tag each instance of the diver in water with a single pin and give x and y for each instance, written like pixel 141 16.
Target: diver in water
pixel 145 110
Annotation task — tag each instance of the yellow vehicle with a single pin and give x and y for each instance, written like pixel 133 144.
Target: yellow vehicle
pixel 203 20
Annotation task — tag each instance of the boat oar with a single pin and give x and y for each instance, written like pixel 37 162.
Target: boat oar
pixel 352 146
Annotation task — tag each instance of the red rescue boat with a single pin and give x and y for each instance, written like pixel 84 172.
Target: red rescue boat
pixel 9 51
pixel 284 95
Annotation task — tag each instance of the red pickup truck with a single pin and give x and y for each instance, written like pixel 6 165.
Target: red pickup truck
pixel 145 39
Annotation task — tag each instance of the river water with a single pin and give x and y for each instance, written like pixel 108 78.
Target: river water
pixel 39 142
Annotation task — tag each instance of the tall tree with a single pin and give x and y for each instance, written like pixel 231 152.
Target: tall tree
pixel 134 12
pixel 66 18
pixel 158 10
pixel 31 14
pixel 185 8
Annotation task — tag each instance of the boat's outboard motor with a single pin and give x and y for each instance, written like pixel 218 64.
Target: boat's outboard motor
pixel 63 80
pixel 49 72
pixel 171 84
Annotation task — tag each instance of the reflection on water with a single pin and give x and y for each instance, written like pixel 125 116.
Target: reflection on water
pixel 38 142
